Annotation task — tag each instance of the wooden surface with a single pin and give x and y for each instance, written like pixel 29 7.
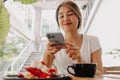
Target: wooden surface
pixel 112 70
pixel 99 77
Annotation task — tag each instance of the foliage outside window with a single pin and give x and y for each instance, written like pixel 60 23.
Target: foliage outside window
pixel 12 47
pixel 26 1
pixel 114 52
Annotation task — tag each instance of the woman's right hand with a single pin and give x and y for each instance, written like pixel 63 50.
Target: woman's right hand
pixel 51 50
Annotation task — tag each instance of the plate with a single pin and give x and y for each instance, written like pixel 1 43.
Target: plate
pixel 13 77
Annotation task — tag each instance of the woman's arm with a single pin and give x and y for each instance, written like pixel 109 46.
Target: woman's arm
pixel 96 58
pixel 48 59
pixel 50 52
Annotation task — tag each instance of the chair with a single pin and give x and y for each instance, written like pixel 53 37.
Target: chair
pixel 112 70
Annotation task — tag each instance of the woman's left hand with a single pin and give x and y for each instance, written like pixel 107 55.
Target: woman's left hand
pixel 73 52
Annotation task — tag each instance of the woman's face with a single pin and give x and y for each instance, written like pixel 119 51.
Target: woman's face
pixel 67 19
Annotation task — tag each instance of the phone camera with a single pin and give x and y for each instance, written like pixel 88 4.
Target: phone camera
pixel 52 36
pixel 49 36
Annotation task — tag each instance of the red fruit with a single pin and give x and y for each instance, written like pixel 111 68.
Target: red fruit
pixel 34 71
pixel 44 75
pixel 52 70
pixel 20 75
pixel 37 72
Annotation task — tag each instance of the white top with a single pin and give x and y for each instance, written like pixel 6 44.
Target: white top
pixel 89 45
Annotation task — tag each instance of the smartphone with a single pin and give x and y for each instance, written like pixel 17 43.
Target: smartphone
pixel 57 37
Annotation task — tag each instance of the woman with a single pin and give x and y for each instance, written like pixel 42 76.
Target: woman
pixel 80 48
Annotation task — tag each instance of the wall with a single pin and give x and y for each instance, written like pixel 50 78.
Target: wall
pixel 106 24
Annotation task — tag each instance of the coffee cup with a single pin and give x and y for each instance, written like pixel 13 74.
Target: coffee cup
pixel 82 69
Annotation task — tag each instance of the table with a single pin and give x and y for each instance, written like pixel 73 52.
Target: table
pixel 97 77
pixel 100 77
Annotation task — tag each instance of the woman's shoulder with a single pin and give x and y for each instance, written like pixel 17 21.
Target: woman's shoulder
pixel 90 37
pixel 93 41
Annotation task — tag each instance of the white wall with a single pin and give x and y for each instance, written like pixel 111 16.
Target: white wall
pixel 106 24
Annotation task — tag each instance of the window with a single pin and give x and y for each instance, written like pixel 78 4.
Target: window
pixel 48 24
pixel 14 44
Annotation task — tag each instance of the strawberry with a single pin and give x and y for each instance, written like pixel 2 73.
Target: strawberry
pixel 44 75
pixel 37 72
pixel 20 75
pixel 41 70
pixel 52 72
pixel 34 71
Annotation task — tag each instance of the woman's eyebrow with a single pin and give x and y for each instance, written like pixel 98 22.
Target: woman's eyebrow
pixel 67 12
pixel 70 11
pixel 60 13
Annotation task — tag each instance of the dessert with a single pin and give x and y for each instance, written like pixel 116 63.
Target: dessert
pixel 38 69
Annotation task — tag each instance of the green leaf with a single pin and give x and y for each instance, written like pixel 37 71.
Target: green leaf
pixel 1 54
pixel 4 22
pixel 26 1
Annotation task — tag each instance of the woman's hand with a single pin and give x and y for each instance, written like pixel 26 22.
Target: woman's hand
pixel 49 53
pixel 73 52
pixel 51 50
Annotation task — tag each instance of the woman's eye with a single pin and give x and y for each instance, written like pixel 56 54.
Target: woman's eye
pixel 70 14
pixel 61 16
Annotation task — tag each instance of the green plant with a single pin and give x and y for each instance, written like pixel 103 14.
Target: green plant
pixel 84 7
pixel 4 23
pixel 26 1
pixel 114 52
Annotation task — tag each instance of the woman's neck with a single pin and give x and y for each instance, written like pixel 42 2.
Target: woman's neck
pixel 72 36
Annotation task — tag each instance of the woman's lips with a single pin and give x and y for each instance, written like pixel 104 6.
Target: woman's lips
pixel 67 23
